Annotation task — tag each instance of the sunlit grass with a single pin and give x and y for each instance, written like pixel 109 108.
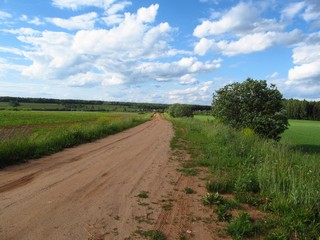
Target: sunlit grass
pixel 262 173
pixel 42 140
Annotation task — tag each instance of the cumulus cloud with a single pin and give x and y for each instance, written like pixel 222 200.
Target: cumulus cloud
pixel 188 79
pixel 84 21
pixel 125 53
pixel 199 93
pixel 307 59
pixel 241 30
pixel 240 20
pixel 183 69
pixel 248 43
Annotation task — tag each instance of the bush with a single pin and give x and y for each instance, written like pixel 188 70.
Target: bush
pixel 251 104
pixel 180 110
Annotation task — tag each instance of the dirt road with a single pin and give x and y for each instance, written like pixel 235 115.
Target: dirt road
pixel 92 191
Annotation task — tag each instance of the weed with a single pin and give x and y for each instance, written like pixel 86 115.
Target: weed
pixel 143 194
pixel 182 237
pixel 188 190
pixel 240 227
pixel 143 219
pixel 151 234
pixel 210 199
pixel 143 204
pixel 167 207
pixel 223 213
pixel 189 171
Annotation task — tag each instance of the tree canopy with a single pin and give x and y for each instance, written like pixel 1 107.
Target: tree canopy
pixel 180 110
pixel 251 104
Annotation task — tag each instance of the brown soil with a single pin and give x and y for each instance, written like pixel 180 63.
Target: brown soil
pixel 91 192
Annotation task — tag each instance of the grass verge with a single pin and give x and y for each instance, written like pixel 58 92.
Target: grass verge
pixel 47 140
pixel 264 174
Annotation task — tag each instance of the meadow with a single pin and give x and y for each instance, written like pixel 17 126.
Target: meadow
pixel 304 135
pixel 25 134
pixel 266 175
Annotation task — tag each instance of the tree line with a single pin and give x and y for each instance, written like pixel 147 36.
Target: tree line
pixel 302 109
pixel 73 104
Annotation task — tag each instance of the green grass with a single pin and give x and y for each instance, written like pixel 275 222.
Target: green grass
pixel 35 141
pixel 303 135
pixel 17 118
pixel 204 117
pixel 265 174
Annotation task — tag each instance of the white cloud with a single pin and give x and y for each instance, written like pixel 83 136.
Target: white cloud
pixel 188 79
pixel 15 51
pixel 307 59
pixel 292 10
pixel 23 31
pixel 180 69
pixel 4 15
pixel 84 21
pixel 241 19
pixel 123 54
pixel 118 7
pixel 76 4
pixel 248 43
pixel 200 93
pixel 36 21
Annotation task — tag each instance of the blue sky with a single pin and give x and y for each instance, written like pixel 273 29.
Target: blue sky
pixel 157 50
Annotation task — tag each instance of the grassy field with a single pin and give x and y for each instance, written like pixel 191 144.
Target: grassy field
pixel 263 174
pixel 304 135
pixel 25 135
pixel 17 118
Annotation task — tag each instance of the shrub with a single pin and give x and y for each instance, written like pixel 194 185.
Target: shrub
pixel 180 110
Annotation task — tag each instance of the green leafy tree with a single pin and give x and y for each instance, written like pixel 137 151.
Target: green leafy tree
pixel 251 104
pixel 180 110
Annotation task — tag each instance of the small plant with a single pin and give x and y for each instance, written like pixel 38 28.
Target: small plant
pixel 210 199
pixel 188 171
pixel 143 194
pixel 182 237
pixel 151 234
pixel 188 190
pixel 242 226
pixel 167 207
pixel 143 204
pixel 224 214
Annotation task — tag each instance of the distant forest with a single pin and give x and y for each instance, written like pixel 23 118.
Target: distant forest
pixel 306 110
pixel 86 105
pixel 296 109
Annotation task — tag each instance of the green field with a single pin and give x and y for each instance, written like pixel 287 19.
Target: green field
pixel 17 118
pixel 26 134
pixel 303 135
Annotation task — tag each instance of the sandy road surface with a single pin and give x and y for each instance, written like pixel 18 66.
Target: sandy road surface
pixel 90 191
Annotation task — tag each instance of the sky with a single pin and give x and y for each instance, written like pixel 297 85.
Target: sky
pixel 157 51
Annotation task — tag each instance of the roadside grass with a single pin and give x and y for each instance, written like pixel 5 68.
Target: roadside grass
pixel 50 139
pixel 265 174
pixel 303 135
